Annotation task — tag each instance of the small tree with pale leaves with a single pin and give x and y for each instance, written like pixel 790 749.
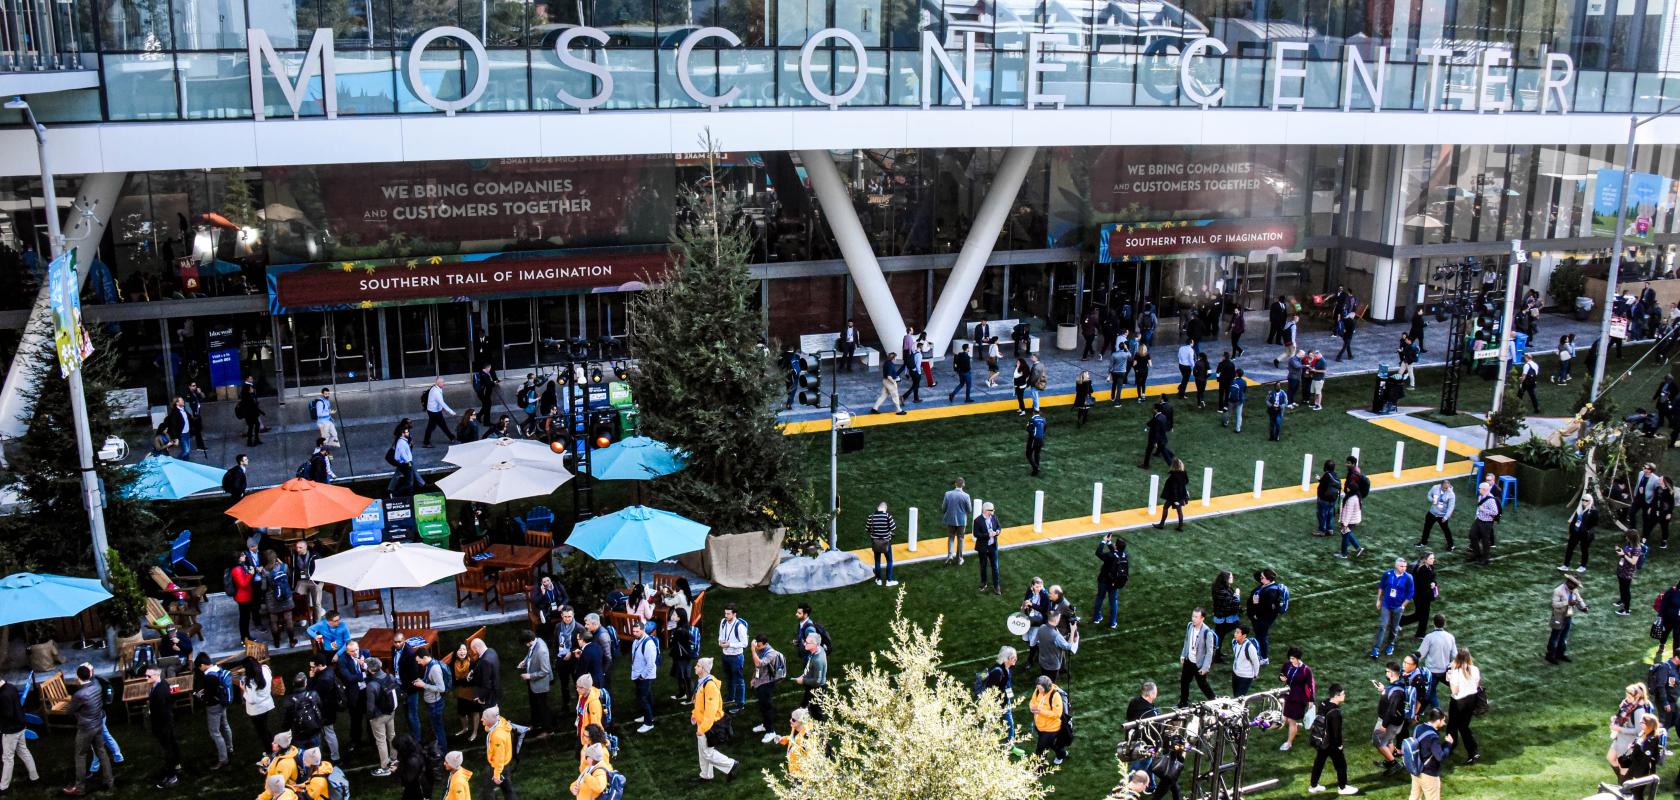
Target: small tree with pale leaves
pixel 905 730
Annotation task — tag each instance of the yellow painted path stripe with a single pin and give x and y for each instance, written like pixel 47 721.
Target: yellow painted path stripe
pixel 1400 426
pixel 864 419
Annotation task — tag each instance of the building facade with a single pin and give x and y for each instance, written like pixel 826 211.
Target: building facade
pixel 369 192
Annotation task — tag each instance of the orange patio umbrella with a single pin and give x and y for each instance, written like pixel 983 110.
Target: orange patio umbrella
pixel 299 503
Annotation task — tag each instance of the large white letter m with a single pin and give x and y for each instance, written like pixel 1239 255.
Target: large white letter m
pixel 319 59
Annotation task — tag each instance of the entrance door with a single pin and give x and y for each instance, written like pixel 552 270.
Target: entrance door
pixel 514 323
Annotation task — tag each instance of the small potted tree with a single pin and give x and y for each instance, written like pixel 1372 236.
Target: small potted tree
pixel 127 606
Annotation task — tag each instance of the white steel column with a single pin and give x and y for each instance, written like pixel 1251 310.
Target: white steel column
pixel 83 230
pixel 855 248
pixel 977 248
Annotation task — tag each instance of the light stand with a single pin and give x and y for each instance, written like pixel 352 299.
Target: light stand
pixel 1456 279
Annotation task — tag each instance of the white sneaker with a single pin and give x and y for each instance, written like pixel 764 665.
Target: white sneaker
pixel 1284 746
pixel 770 738
pixel 892 583
pixel 1315 789
pixel 639 720
pixel 1348 790
pixel 878 581
pixel 1563 568
pixel 644 729
pixel 1582 568
pixel 756 728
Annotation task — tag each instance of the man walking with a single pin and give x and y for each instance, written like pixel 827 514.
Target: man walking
pixel 889 385
pixel 1235 397
pixel 214 688
pixel 14 743
pixel 986 531
pixel 1112 576
pixel 708 711
pixel 1436 654
pixel 1156 444
pixel 322 409
pixel 1038 379
pixel 1195 658
pixel 732 641
pixel 644 667
pixel 955 510
pixel 1481 531
pixel 1245 661
pixel 1394 592
pixel 484 384
pixel 236 479
pixel 1566 600
pixel 1329 491
pixel 405 479
pixel 769 668
pixel 538 675
pixel 1424 594
pixel 1427 740
pixel 963 364
pixel 881 527
pixel 379 704
pixel 498 751
pixel 1186 363
pixel 1330 747
pixel 815 675
pixel 1224 373
pixel 87 705
pixel 1442 501
pixel 1266 603
pixel 1277 315
pixel 436 410
pixel 1035 442
pixel 1119 364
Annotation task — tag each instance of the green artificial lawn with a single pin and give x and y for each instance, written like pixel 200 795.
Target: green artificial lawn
pixel 1544 738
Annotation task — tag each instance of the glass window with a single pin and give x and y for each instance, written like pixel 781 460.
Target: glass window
pixel 754 73
pixel 287 24
pixel 1589 91
pixel 1243 77
pixel 442 73
pixel 210 25
pixel 367 82
pixel 140 87
pixel 135 25
pixel 1618 91
pixel 1111 79
pixel 498 23
pixel 509 88
pixel 215 85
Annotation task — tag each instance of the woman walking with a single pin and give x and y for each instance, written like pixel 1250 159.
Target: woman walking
pixel 467 431
pixel 1199 371
pixel 685 648
pixel 1660 512
pixel 245 591
pixel 1566 357
pixel 1022 374
pixel 1642 757
pixel 1140 369
pixel 256 684
pixel 1226 605
pixel 1627 564
pixel 1084 396
pixel 1176 493
pixel 1626 724
pixel 467 707
pixel 1465 681
pixel 1299 678
pixel 1352 510
pixel 277 599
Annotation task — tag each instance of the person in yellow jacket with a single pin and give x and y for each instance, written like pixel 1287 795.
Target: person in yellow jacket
pixel 593 780
pixel 593 735
pixel 795 743
pixel 282 759
pixel 316 770
pixel 588 705
pixel 708 710
pixel 275 788
pixel 1046 707
pixel 460 780
pixel 498 750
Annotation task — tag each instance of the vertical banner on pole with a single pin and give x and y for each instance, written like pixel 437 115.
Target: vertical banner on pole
pixel 1207 486
pixel 1355 455
pixel 1399 457
pixel 1441 454
pixel 1154 492
pixel 1306 472
pixel 1038 511
pixel 1096 502
pixel 1259 476
pixel 915 516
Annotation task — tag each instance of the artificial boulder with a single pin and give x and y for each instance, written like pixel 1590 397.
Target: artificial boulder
pixel 830 570
pixel 737 560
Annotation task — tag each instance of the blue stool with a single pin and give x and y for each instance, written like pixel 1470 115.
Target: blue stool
pixel 1476 467
pixel 1507 491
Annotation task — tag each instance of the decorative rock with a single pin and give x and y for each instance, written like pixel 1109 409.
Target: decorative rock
pixel 830 570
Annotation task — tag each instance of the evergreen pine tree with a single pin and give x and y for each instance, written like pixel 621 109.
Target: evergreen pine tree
pixel 49 532
pixel 708 386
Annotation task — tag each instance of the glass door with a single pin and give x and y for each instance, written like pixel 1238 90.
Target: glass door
pixel 415 332
pixel 455 326
pixel 348 332
pixel 311 345
pixel 514 323
pixel 556 326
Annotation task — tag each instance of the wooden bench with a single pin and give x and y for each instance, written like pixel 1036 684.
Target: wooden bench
pixel 55 700
pixel 821 345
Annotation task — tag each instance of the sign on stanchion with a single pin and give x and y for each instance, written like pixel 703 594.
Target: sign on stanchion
pixel 1038 511
pixel 1441 454
pixel 1306 472
pixel 1259 477
pixel 1154 493
pixel 915 517
pixel 1096 502
pixel 1207 486
pixel 1399 458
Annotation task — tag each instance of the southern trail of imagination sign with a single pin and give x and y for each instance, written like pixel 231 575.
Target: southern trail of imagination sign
pixel 1492 90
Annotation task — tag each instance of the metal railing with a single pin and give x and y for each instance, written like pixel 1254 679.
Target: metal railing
pixel 40 35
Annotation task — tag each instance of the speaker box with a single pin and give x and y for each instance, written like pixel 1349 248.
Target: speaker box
pixel 851 441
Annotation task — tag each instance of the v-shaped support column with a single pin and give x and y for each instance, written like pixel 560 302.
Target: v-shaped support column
pixel 855 247
pixel 977 248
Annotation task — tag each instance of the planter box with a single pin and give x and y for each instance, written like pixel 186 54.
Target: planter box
pixel 1546 487
pixel 738 560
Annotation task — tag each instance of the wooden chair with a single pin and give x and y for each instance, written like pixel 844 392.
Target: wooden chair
pixel 622 623
pixel 698 606
pixel 660 582
pixel 475 547
pixel 55 701
pixel 359 599
pixel 542 539
pixel 470 583
pixel 411 620
pixel 449 659
pixel 513 586
pixel 134 695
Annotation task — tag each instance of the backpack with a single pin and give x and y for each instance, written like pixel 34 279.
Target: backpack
pixel 306 712
pixel 615 786
pixel 303 469
pixel 448 674
pixel 431 754
pixel 1319 734
pixel 1122 570
pixel 1364 486
pixel 518 732
pixel 781 667
pixel 338 785
pixel 606 707
pixel 980 686
pixel 390 457
pixel 1411 752
pixel 1391 707
pixel 1064 737
pixel 827 642
pixel 385 700
pixel 425 398
pixel 225 680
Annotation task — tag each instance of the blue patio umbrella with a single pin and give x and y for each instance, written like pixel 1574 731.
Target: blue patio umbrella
pixel 26 597
pixel 166 478
pixel 640 534
pixel 637 458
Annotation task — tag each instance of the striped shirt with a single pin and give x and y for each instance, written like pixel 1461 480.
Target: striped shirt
pixel 881 526
pixel 1487 508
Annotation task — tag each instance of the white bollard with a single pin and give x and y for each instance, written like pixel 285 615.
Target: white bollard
pixel 1154 493
pixel 1399 458
pixel 914 516
pixel 1441 455
pixel 1207 486
pixel 1096 502
pixel 1355 455
pixel 1306 472
pixel 1038 511
pixel 1259 476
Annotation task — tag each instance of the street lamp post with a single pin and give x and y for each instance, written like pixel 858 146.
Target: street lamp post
pixel 1634 124
pixel 93 497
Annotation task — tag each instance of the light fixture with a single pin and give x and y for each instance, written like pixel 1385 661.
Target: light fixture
pixel 621 370
pixel 17 103
pixel 595 375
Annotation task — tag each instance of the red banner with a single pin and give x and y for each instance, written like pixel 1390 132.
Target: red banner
pixel 362 284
